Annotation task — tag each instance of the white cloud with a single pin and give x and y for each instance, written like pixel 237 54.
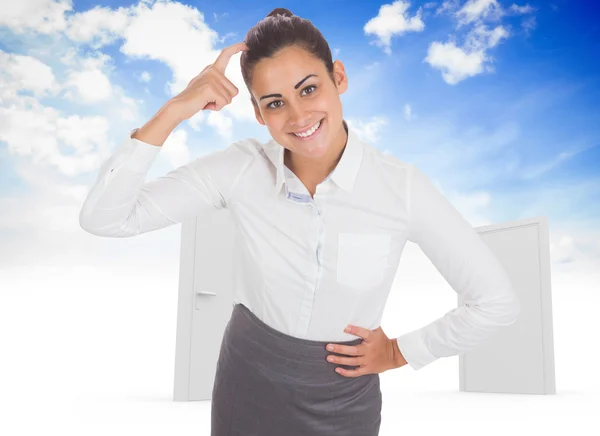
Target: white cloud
pixel 528 24
pixel 447 6
pixel 368 131
pixel 475 205
pixel 175 149
pixel 222 123
pixel 37 16
pixel 128 109
pixel 99 26
pixel 476 10
pixel 482 39
pixel 458 63
pixel 145 77
pixel 41 133
pixel 407 112
pixel 565 250
pixel 25 73
pixel 455 63
pixel 88 82
pixel 197 119
pixel 92 85
pixel 35 131
pixel 87 78
pixel 393 19
pixel 521 9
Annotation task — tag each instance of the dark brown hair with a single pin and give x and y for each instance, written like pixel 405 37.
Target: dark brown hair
pixel 278 30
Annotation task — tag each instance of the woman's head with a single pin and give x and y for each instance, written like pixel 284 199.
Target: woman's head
pixel 283 50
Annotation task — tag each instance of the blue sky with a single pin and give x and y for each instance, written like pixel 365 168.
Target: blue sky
pixel 495 101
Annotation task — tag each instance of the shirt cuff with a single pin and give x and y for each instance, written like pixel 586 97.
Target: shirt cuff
pixel 414 350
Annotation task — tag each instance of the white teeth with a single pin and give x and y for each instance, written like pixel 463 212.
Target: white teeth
pixel 309 132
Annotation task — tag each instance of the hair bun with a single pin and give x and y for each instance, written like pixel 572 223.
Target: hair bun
pixel 280 11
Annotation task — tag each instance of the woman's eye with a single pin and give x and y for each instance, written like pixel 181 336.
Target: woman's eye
pixel 310 86
pixel 279 101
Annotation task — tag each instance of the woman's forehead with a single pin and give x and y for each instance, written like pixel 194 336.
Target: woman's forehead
pixel 285 70
pixel 272 81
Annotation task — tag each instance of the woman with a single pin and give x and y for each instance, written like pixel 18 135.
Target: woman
pixel 312 259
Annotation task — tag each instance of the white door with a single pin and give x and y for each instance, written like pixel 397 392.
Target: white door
pixel 519 359
pixel 204 304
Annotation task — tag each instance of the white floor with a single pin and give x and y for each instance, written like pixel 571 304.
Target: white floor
pixel 75 362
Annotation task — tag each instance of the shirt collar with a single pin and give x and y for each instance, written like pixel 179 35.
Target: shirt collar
pixel 344 174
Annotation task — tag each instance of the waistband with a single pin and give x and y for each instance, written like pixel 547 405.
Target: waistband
pixel 275 352
pixel 239 308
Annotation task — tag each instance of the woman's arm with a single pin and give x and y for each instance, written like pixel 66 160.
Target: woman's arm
pixel 121 204
pixel 468 265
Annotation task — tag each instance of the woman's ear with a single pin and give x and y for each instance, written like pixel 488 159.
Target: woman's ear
pixel 340 76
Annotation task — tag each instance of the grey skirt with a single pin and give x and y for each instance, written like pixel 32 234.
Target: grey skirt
pixel 268 383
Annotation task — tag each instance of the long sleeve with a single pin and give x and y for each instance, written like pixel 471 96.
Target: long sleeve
pixel 470 268
pixel 121 204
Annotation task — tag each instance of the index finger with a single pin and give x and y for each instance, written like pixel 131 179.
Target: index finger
pixel 225 55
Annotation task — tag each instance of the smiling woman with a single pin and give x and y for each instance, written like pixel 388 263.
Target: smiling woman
pixel 313 258
pixel 268 382
pixel 289 65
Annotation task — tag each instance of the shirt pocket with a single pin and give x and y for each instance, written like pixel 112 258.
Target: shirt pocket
pixel 362 259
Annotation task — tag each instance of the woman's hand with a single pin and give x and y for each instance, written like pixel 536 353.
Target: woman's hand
pixel 209 90
pixel 377 353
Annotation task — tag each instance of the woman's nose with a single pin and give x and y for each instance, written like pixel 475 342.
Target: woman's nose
pixel 299 118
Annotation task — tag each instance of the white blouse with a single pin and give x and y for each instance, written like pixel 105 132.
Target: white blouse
pixel 310 266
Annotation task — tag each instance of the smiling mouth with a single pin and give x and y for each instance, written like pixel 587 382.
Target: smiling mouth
pixel 319 123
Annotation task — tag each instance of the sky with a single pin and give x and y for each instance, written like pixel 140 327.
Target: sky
pixel 495 101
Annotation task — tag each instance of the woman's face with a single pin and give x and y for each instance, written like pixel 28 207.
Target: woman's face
pixel 305 96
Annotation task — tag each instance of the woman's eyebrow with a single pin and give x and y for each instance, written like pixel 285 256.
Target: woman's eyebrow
pixel 295 87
